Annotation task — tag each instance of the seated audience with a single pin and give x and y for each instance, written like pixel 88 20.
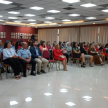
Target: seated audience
pixel 43 46
pixel 69 49
pixel 24 58
pixel 58 55
pixel 86 54
pixel 10 57
pixel 86 47
pixel 64 44
pixel 37 56
pixel 96 55
pixel 77 54
pixel 64 51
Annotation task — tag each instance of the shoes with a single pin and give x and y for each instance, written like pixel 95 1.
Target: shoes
pixel 90 65
pixel 82 66
pixel 43 71
pixel 33 74
pixel 38 73
pixel 24 75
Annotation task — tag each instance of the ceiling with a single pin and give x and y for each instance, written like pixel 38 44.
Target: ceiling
pixel 23 6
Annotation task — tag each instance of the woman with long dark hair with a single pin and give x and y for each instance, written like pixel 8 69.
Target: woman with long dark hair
pixel 10 57
pixel 77 54
pixel 43 46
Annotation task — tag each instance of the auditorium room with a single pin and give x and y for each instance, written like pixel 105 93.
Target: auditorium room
pixel 53 53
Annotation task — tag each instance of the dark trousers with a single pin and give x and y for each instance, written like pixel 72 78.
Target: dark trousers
pixel 15 64
pixel 67 56
pixel 24 64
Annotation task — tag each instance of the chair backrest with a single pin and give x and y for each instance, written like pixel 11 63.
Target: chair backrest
pixel 45 54
pixel 1 56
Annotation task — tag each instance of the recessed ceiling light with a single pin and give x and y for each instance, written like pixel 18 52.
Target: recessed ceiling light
pixel 5 2
pixel 86 97
pixel 33 23
pixel 17 21
pixel 88 5
pixel 53 11
pixel 93 23
pixel 47 22
pixel 48 94
pixel 36 8
pixel 28 99
pixel 90 18
pixel 12 17
pixel 13 102
pixel 105 10
pixel 63 90
pixel 31 20
pixel 74 15
pixel 71 1
pixel 13 12
pixel 50 18
pixel 30 15
pixel 70 104
pixel 1 16
pixel 53 24
pixel 1 20
pixel 66 20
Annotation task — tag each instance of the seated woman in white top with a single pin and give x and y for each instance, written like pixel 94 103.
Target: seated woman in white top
pixel 10 57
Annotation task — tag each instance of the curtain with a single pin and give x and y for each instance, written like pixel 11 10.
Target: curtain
pixel 89 34
pixel 69 34
pixel 47 35
pixel 103 35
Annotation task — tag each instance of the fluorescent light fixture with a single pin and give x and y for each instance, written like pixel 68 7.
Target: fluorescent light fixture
pixel 5 2
pixel 53 11
pixel 28 99
pixel 1 16
pixel 31 20
pixel 88 5
pixel 63 90
pixel 30 15
pixel 90 18
pixel 53 24
pixel 70 104
pixel 71 1
pixel 66 20
pixel 93 23
pixel 13 102
pixel 12 17
pixel 33 23
pixel 36 8
pixel 17 21
pixel 47 22
pixel 74 15
pixel 48 94
pixel 50 18
pixel 1 20
pixel 105 10
pixel 86 97
pixel 13 12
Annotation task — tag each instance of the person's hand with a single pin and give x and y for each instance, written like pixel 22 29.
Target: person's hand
pixel 27 60
pixel 14 56
pixel 39 57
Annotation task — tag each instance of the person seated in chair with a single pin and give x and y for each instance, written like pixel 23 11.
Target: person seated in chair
pixel 10 57
pixel 58 55
pixel 77 54
pixel 37 56
pixel 24 58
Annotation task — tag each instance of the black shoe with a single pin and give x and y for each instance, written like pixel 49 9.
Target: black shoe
pixel 82 66
pixel 38 73
pixel 24 75
pixel 43 71
pixel 33 74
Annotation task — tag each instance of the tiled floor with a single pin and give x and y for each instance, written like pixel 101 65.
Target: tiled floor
pixel 76 88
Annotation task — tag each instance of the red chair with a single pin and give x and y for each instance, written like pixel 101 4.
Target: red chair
pixel 46 55
pixel 4 65
pixel 76 59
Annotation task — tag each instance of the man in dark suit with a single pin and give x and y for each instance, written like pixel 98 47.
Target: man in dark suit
pixel 37 56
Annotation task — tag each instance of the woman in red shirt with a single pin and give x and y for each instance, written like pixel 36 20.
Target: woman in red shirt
pixel 58 55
